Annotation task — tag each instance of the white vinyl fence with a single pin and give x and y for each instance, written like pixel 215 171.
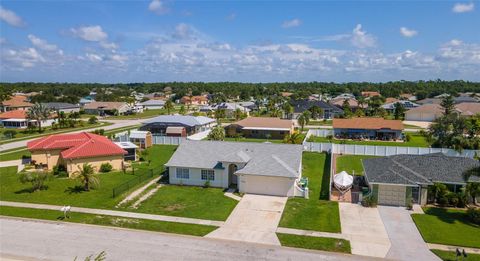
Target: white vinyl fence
pixel 165 140
pixel 319 132
pixel 382 150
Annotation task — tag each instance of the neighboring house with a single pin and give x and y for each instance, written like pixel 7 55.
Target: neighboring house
pixel 329 111
pixel 194 100
pixel 368 94
pixel 467 99
pixel 153 104
pixel 345 96
pixel 468 108
pixel 352 102
pixel 62 107
pixel 73 150
pixel 106 108
pixel 18 102
pixel 230 108
pixel 257 168
pixel 248 105
pixel 192 124
pixel 142 139
pixel 390 107
pixel 368 128
pixel 286 94
pixel 408 96
pixel 86 100
pixel 18 119
pixel 390 100
pixel 261 127
pixel 427 112
pixel 394 179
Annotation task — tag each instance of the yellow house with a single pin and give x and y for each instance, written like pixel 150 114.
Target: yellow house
pixel 73 150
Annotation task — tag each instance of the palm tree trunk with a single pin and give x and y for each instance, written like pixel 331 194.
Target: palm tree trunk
pixel 86 185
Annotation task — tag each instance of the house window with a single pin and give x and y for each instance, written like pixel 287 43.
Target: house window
pixel 208 174
pixel 183 173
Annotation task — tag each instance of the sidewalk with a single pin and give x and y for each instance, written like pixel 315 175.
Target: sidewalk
pixel 454 248
pixel 117 213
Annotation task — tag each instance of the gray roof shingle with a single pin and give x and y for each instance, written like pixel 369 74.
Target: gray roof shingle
pixel 419 169
pixel 264 159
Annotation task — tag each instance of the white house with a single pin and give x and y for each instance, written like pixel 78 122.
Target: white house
pixel 256 168
pixel 426 112
pixel 153 104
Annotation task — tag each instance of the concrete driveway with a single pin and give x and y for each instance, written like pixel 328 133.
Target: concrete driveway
pixel 364 228
pixel 254 219
pixel 407 243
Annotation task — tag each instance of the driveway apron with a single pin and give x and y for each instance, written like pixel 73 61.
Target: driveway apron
pixel 254 219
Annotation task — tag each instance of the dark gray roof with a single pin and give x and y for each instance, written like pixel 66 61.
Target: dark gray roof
pixel 419 169
pixel 60 105
pixel 264 159
pixel 300 106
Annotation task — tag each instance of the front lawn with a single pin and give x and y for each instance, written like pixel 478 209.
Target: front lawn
pixel 189 201
pixel 317 243
pixel 416 140
pixel 452 256
pixel 315 213
pixel 15 155
pixel 113 221
pixel 351 164
pixel 447 227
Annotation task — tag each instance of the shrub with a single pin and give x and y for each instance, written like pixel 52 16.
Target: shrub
pixel 474 215
pixel 442 201
pixel 99 131
pixel 92 120
pixel 408 137
pixel 207 184
pixel 369 201
pixel 462 199
pixel 106 167
pixel 10 134
pixel 452 199
pixel 37 179
pixel 60 171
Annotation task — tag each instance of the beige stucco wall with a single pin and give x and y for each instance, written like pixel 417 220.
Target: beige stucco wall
pixel 48 157
pixel 75 164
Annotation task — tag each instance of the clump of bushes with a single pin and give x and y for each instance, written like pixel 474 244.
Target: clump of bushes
pixel 99 131
pixel 474 215
pixel 92 120
pixel 443 197
pixel 408 137
pixel 37 179
pixel 60 171
pixel 106 167
pixel 370 201
pixel 9 134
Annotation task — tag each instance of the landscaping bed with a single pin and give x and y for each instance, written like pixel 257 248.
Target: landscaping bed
pixel 317 243
pixel 447 227
pixel 315 213
pixel 113 221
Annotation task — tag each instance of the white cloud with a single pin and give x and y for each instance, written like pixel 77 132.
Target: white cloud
pixel 292 23
pixel 158 7
pixel 463 8
pixel 408 32
pixel 10 17
pixel 361 38
pixel 42 44
pixel 92 33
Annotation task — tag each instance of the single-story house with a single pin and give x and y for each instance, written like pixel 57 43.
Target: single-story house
pixel 18 102
pixel 352 103
pixel 429 101
pixel 153 104
pixel 261 127
pixel 73 150
pixel 130 148
pixel 468 108
pixel 62 107
pixel 194 100
pixel 230 108
pixel 406 104
pixel 86 100
pixel 368 94
pixel 394 179
pixel 426 112
pixel 18 119
pixel 192 124
pixel 368 128
pixel 142 139
pixel 106 108
pixel 256 168
pixel 329 111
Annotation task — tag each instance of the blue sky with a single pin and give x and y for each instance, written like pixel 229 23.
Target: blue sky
pixel 249 41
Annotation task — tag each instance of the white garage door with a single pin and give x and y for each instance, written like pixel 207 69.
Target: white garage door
pixel 391 195
pixel 419 116
pixel 274 186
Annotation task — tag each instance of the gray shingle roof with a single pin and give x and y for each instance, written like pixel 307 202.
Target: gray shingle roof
pixel 153 102
pixel 265 159
pixel 186 120
pixel 60 105
pixel 418 169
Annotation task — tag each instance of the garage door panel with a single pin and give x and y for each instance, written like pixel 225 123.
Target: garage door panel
pixel 274 186
pixel 391 195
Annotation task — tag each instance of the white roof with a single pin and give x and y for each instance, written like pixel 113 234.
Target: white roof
pixel 136 134
pixel 126 145
pixel 343 179
pixel 153 103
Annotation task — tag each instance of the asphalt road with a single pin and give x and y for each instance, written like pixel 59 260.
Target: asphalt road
pixel 40 240
pixel 116 124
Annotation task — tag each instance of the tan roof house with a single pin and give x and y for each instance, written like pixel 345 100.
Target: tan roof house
pixel 261 127
pixel 104 108
pixel 370 94
pixel 18 102
pixel 468 108
pixel 194 100
pixel 427 112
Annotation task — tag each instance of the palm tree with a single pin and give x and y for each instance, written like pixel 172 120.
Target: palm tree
pixel 302 121
pixel 275 112
pixel 238 114
pixel 288 109
pixel 38 112
pixel 294 138
pixel 168 106
pixel 86 175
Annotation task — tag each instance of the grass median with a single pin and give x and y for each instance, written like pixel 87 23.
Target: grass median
pixel 111 221
pixel 317 243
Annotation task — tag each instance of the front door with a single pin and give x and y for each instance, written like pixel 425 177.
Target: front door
pixel 232 178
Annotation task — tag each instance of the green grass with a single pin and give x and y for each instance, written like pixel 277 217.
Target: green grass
pixel 14 155
pixel 317 243
pixel 144 114
pixel 315 213
pixel 447 227
pixel 24 134
pixel 189 201
pixel 452 256
pixel 408 126
pixel 113 221
pixel 65 191
pixel 320 123
pixel 416 140
pixel 253 140
pixel 351 164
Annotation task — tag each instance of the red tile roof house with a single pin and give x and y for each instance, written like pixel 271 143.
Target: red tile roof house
pixel 368 128
pixel 73 150
pixel 18 119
